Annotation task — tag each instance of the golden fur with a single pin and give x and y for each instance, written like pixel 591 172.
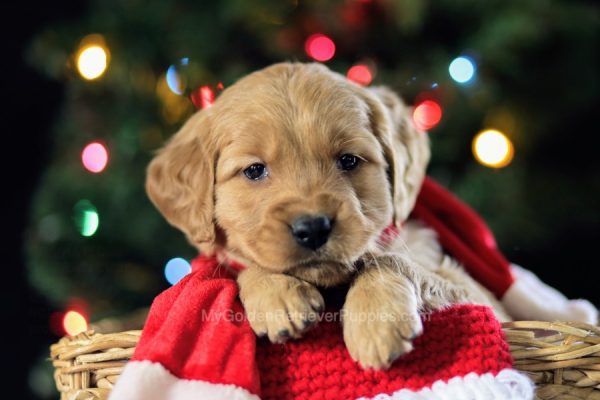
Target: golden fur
pixel 298 119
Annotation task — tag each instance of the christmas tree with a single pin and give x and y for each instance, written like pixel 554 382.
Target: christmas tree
pixel 506 89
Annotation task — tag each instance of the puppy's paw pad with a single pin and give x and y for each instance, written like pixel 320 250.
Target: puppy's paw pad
pixel 283 333
pixel 284 312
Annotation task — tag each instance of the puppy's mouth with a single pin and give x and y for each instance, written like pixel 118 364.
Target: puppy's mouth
pixel 310 264
pixel 325 273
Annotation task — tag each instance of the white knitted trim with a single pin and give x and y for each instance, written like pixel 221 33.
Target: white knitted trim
pixel 146 380
pixel 508 384
pixel 531 299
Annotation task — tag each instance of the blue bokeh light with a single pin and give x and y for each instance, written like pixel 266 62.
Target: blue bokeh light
pixel 173 80
pixel 176 269
pixel 462 69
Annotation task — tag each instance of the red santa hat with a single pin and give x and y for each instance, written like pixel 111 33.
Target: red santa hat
pixel 465 236
pixel 197 344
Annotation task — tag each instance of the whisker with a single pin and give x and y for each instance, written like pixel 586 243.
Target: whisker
pixel 373 208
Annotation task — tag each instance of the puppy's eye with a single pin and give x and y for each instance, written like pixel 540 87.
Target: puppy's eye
pixel 256 172
pixel 348 162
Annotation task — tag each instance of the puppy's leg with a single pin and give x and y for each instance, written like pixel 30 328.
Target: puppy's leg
pixel 381 312
pixel 278 305
pixel 451 271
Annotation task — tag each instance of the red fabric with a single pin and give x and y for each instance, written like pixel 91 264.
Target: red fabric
pixel 455 342
pixel 219 346
pixel 388 234
pixel 194 332
pixel 464 235
pixel 196 328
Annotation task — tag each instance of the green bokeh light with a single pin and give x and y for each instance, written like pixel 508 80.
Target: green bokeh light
pixel 86 218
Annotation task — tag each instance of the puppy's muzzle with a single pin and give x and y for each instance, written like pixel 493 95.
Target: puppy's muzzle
pixel 311 232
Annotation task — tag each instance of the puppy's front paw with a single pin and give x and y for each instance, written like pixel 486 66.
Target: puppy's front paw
pixel 376 333
pixel 283 309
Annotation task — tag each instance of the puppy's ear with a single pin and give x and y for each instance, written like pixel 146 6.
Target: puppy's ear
pixel 180 180
pixel 406 148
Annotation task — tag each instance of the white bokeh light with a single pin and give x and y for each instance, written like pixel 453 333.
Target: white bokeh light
pixel 493 149
pixel 462 69
pixel 92 62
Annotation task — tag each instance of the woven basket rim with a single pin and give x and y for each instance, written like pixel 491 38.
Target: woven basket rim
pixel 561 357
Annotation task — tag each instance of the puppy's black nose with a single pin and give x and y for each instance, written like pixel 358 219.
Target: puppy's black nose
pixel 311 232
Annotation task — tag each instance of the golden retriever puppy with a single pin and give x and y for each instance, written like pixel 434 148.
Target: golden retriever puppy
pixel 294 172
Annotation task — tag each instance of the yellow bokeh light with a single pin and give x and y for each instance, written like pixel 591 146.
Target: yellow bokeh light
pixel 92 61
pixel 74 323
pixel 493 149
pixel 175 108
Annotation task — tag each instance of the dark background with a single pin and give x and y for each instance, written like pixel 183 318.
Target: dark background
pixel 568 260
pixel 30 102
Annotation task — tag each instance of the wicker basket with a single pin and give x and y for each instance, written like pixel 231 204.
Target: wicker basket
pixel 563 359
pixel 88 365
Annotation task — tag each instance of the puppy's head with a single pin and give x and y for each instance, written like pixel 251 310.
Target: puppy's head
pixel 294 169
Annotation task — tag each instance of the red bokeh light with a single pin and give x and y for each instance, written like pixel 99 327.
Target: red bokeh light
pixel 319 47
pixel 427 115
pixel 207 96
pixel 360 74
pixel 203 97
pixel 74 322
pixel 57 318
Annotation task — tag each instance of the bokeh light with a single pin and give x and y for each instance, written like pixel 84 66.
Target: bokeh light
pixel 207 96
pixel 360 74
pixel 319 47
pixel 493 148
pixel 204 97
pixel 174 108
pixel 175 79
pixel 462 69
pixel 427 114
pixel 94 157
pixel 176 269
pixel 86 218
pixel 92 61
pixel 74 323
